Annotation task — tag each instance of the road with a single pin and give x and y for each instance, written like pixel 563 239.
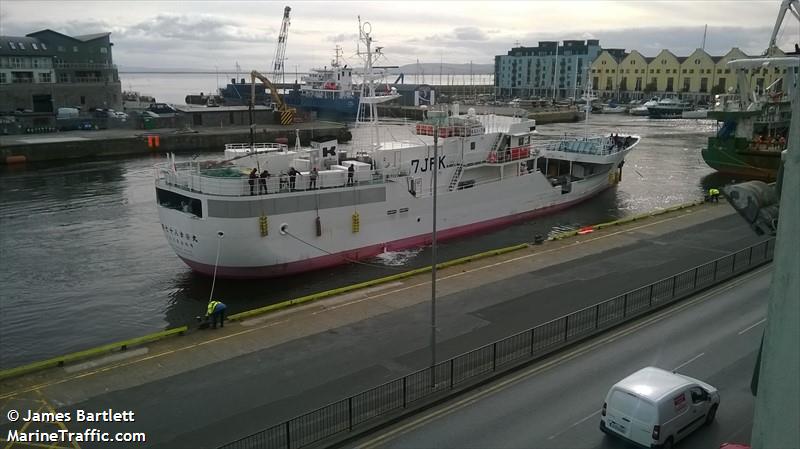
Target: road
pixel 556 403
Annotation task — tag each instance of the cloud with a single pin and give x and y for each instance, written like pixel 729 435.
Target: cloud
pixel 469 34
pixel 343 37
pixel 196 28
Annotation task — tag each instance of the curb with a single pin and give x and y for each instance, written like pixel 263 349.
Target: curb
pixel 72 357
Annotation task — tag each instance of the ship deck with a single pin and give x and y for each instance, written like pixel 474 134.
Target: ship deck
pixel 260 371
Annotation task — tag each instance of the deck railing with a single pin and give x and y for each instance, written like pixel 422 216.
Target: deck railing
pixel 359 413
pixel 265 147
pixel 598 145
pixel 189 176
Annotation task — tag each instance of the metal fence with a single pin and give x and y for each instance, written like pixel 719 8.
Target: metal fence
pixel 417 389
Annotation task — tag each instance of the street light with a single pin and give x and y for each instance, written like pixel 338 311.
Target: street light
pixel 433 249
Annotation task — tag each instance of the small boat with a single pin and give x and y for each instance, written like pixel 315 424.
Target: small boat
pixel 642 110
pixel 613 108
pixel 668 108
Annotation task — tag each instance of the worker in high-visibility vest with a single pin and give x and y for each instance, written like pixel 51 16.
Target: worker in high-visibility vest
pixel 713 195
pixel 216 311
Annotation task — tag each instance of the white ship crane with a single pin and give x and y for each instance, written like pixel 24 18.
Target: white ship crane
pixel 280 50
pixel 793 6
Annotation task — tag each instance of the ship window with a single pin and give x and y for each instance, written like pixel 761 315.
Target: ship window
pixel 179 202
pixel 521 141
pixel 472 145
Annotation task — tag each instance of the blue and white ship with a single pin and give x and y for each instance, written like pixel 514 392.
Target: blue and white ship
pixel 329 92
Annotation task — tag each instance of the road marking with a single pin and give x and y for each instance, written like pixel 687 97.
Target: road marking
pixel 577 352
pixel 553 436
pixel 689 361
pixel 752 326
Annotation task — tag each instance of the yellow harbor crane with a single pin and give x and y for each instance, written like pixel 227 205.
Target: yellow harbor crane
pixel 283 113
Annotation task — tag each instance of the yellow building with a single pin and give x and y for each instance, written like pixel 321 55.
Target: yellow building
pixel 604 73
pixel 724 77
pixel 633 76
pixel 697 77
pixel 664 72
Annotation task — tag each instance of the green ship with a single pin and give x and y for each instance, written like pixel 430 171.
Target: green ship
pixel 749 140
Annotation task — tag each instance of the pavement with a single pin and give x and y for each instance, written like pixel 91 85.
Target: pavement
pixel 214 386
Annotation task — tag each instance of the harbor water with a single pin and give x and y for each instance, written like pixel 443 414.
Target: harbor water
pixel 83 259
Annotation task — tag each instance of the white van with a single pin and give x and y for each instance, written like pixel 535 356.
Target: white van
pixel 656 408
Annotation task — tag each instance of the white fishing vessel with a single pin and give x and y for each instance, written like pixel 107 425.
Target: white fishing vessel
pixel 220 221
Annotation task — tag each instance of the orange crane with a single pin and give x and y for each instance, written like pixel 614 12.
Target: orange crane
pixel 283 113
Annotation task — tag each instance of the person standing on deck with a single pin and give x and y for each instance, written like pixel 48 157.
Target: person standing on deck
pixel 252 181
pixel 262 182
pixel 312 178
pixel 293 173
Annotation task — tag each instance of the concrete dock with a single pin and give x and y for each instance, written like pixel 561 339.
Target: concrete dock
pixel 129 142
pixel 210 387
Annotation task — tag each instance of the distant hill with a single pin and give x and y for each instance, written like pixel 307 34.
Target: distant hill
pixel 434 68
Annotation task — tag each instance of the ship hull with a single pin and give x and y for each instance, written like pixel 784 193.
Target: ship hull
pixel 734 156
pixel 396 221
pixel 344 109
pixel 327 261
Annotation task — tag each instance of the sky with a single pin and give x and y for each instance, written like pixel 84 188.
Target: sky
pixel 216 35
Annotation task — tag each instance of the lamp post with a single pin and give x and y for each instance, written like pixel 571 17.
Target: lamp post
pixel 433 250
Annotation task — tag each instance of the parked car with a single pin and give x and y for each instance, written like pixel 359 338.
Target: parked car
pixel 161 108
pixel 656 408
pixel 64 113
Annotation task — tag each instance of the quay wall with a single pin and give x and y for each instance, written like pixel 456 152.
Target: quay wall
pixel 545 116
pixel 61 146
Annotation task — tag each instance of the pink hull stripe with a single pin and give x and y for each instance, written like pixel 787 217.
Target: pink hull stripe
pixel 366 252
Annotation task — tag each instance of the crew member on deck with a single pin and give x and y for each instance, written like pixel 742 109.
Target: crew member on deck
pixel 293 173
pixel 262 182
pixel 312 178
pixel 350 171
pixel 252 181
